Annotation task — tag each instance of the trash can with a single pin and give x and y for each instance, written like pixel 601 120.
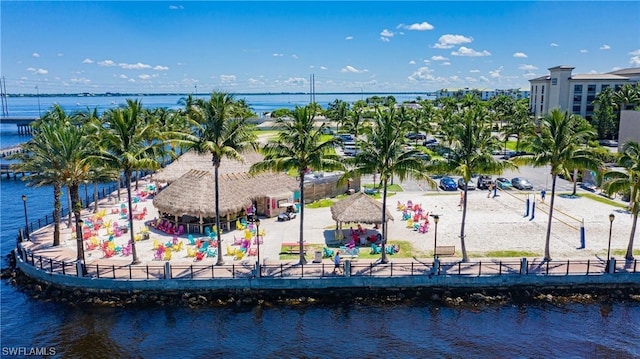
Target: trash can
pixel 318 257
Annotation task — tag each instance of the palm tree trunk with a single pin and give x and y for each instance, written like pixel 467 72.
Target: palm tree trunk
pixel 95 197
pixel 547 255
pixel 463 246
pixel 575 182
pixel 629 254
pixel 303 260
pixel 56 214
pixel 383 258
pixel 216 165
pixel 77 208
pixel 134 253
pixel 70 205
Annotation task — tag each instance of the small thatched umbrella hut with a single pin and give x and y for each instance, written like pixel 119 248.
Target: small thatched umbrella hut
pixel 358 208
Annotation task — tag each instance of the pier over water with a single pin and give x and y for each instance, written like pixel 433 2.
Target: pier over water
pixel 23 123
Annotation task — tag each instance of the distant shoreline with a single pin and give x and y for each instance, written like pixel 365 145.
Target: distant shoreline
pixel 118 94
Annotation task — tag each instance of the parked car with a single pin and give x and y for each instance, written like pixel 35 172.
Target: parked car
pixel 503 183
pixel 448 184
pixel 289 214
pixel 430 142
pixel 521 183
pixel 469 185
pixel 416 136
pixel 609 143
pixel 345 137
pixel 484 182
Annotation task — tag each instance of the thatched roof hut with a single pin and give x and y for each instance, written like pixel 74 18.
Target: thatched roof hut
pixel 192 160
pixel 359 208
pixel 193 194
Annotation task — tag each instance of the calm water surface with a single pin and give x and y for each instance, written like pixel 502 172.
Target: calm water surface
pixel 347 331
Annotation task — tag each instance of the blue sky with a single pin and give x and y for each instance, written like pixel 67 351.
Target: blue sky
pixel 275 46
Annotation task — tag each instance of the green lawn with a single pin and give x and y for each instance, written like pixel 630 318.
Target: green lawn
pixel 602 199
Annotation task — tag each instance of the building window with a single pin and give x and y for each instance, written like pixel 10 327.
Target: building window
pixel 576 108
pixel 591 88
pixel 590 98
pixel 577 88
pixel 589 108
pixel 554 81
pixel 543 89
pixel 604 87
pixel 577 98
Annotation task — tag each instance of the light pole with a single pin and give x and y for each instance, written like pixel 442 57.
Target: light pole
pixel 86 194
pixel 436 219
pixel 253 218
pixel 611 218
pixel 80 242
pixel 26 219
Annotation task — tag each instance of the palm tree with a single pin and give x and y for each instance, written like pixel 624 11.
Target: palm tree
pixel 216 131
pixel 604 117
pixel 125 146
pixel 472 148
pixel 299 146
pixel 558 144
pixel 338 111
pixel 629 180
pixel 383 152
pixel 519 124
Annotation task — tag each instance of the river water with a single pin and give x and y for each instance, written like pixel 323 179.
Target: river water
pixel 609 330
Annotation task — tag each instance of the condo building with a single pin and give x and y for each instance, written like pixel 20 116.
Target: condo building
pixel 574 93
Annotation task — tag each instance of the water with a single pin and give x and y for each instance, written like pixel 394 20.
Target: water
pixel 348 331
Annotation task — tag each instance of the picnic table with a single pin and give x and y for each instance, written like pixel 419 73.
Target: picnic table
pixel 294 247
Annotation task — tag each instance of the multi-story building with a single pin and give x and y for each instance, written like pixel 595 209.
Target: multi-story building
pixel 483 94
pixel 574 93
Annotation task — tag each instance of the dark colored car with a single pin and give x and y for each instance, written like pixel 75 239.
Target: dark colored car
pixel 521 183
pixel 416 136
pixel 609 143
pixel 448 184
pixel 484 182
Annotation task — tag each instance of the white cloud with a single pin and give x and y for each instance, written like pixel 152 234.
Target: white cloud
pixel 454 78
pixel 530 75
pixel 584 51
pixel 635 53
pixel 386 35
pixel 527 67
pixel 496 73
pixel 520 54
pixel 423 26
pixel 35 54
pixel 37 71
pixel 144 77
pixel 412 62
pixel 470 79
pixel 635 60
pixel 294 56
pixel 448 41
pixel 123 76
pixel 484 79
pixel 465 51
pixel 137 66
pixel 352 69
pixel 277 55
pixel 107 63
pixel 592 72
pixel 227 78
pixel 474 71
pixel 160 68
pixel 553 44
pixel 81 80
pixel 605 47
pixel 296 81
pixel 446 63
pixel 87 61
pixel 176 7
pixel 348 38
pixel 59 54
pixel 422 74
pixel 438 58
pixel 323 68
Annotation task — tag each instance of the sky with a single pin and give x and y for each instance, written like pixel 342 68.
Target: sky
pixel 272 47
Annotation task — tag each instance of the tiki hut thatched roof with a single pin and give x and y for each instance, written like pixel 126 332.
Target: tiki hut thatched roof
pixel 359 208
pixel 194 192
pixel 192 160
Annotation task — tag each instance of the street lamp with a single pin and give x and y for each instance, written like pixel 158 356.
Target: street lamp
pixel 26 220
pixel 436 219
pixel 253 218
pixel 611 218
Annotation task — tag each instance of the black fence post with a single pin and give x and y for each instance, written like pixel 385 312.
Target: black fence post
pixel 567 267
